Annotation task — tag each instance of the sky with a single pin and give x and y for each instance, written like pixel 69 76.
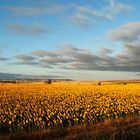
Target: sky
pixel 70 39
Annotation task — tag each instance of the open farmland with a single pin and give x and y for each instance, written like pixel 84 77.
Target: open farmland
pixel 42 106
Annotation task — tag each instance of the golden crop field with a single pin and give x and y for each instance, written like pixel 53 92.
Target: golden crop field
pixel 35 106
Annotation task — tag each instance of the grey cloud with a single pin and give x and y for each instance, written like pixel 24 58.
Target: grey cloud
pixel 43 53
pixel 55 61
pixel 70 48
pixel 130 54
pixel 105 51
pixel 85 57
pixel 26 60
pixel 64 49
pixel 127 32
pixel 22 29
pixel 66 55
pixel 3 59
pixel 93 62
pixel 81 59
pixel 26 63
pixel 137 74
pixel 12 76
pixel 25 57
pixel 73 58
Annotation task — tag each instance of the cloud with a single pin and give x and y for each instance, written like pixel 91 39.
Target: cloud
pixel 11 76
pixel 33 63
pixel 66 55
pixel 105 51
pixel 33 30
pixel 80 20
pixel 82 15
pixel 130 55
pixel 44 53
pixel 64 49
pixel 85 16
pixel 74 58
pixel 38 10
pixel 55 61
pixel 4 59
pixel 124 61
pixel 26 10
pixel 25 57
pixel 115 8
pixel 69 57
pixel 25 60
pixel 127 32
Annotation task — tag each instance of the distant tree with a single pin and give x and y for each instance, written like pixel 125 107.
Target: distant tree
pixel 99 83
pixel 14 81
pixel 49 81
pixel 125 83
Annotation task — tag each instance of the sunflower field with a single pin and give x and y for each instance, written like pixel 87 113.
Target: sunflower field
pixel 41 106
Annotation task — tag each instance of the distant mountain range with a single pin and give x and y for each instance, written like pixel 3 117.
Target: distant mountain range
pixel 9 76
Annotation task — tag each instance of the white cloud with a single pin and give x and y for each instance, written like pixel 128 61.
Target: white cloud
pixel 85 16
pixel 80 20
pixel 115 8
pixel 23 29
pixel 127 32
pixel 81 15
pixel 38 10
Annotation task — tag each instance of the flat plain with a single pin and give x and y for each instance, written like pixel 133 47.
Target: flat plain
pixel 64 109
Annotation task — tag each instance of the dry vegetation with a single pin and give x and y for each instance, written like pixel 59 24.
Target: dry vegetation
pixel 70 111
